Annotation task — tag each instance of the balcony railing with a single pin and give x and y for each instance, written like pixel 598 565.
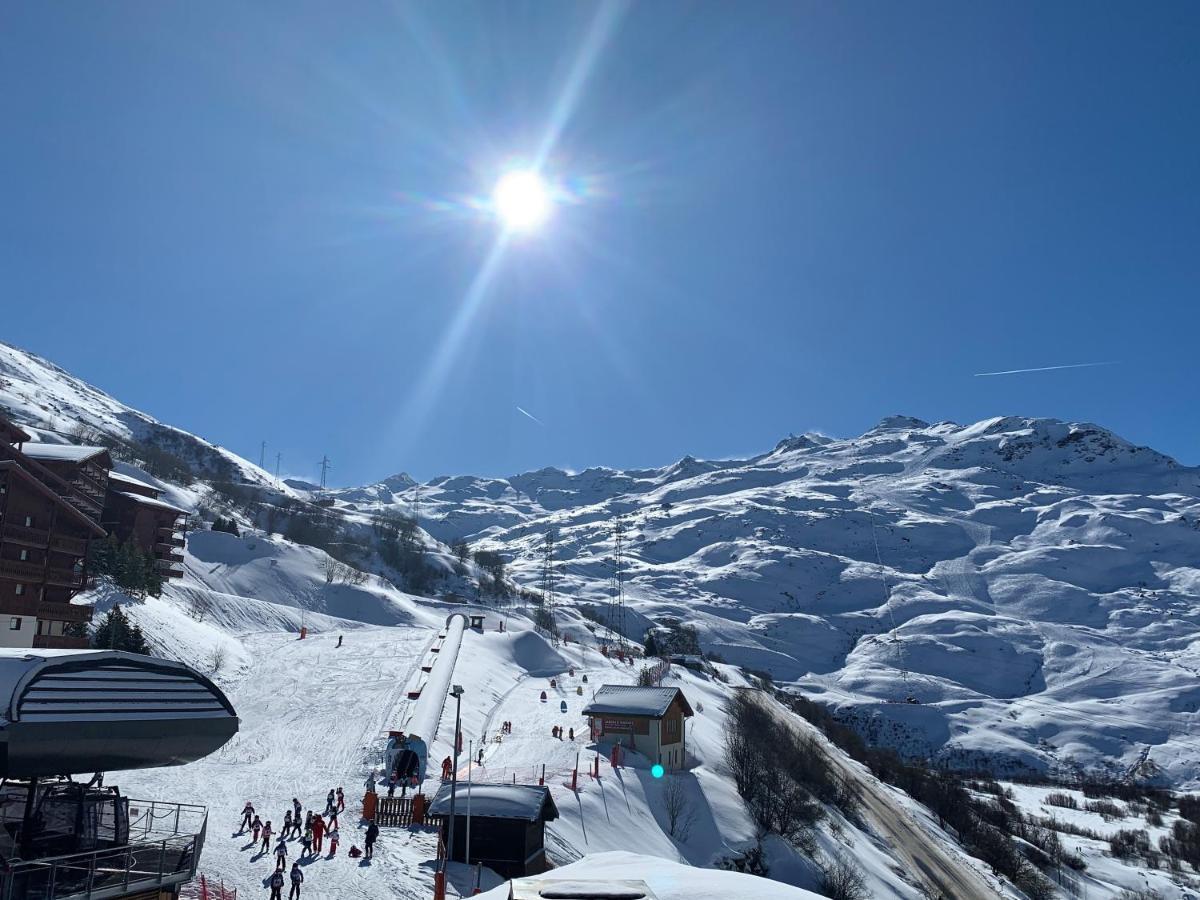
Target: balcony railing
pixel 60 642
pixel 22 571
pixel 67 577
pixel 74 546
pixel 64 612
pixel 20 534
pixel 164 848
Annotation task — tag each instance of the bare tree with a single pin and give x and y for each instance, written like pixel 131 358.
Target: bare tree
pixel 681 812
pixel 216 660
pixel 843 880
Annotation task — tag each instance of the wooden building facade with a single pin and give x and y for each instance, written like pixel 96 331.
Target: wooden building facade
pixel 134 512
pixel 651 720
pixel 507 825
pixel 45 528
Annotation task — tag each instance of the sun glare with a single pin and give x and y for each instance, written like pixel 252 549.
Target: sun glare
pixel 522 200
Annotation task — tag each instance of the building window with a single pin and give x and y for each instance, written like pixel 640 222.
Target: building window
pixel 29 521
pixel 14 624
pixel 20 590
pixel 24 555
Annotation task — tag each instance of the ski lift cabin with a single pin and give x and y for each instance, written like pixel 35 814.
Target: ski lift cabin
pixel 68 712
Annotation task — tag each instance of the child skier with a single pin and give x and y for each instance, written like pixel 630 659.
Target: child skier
pixel 306 841
pixel 277 886
pixel 287 825
pixel 266 841
pixel 330 802
pixel 256 827
pixel 371 837
pixel 297 880
pixel 281 855
pixel 334 837
pixel 247 816
pixel 341 799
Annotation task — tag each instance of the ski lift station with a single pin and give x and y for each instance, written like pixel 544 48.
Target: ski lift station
pixel 651 720
pixel 79 712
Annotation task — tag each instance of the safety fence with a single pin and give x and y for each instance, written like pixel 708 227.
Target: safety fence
pixel 205 888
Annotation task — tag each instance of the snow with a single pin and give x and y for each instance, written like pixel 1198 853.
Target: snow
pixel 631 700
pixel 120 478
pixel 71 452
pixel 150 501
pixel 496 801
pixel 668 880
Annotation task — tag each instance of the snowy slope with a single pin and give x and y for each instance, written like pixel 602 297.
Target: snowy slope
pixel 1033 583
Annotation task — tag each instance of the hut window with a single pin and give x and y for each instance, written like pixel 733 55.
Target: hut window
pixel 20 590
pixel 14 624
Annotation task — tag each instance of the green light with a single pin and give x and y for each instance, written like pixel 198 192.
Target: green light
pixel 656 770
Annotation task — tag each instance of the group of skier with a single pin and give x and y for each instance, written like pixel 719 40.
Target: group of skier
pixel 310 829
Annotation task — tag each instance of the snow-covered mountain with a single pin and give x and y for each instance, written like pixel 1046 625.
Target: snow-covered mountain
pixel 1031 583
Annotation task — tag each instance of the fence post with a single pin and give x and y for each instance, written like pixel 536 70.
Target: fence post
pixel 177 819
pixel 162 858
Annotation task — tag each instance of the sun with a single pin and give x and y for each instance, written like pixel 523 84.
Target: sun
pixel 522 200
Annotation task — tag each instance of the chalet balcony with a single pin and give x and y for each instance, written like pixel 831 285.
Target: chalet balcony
pixel 64 577
pixel 29 537
pixel 19 606
pixel 178 542
pixel 60 642
pixel 74 546
pixel 64 612
pixel 21 571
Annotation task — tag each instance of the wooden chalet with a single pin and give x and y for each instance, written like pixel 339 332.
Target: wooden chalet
pixel 652 720
pixel 45 527
pixel 508 825
pixel 134 512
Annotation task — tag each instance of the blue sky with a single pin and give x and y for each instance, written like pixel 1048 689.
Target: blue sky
pixel 253 220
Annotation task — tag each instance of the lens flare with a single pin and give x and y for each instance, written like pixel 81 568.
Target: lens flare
pixel 522 200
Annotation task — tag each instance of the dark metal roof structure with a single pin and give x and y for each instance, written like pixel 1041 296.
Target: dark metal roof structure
pixel 69 712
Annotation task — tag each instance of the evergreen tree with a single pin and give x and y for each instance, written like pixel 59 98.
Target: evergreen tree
pixel 117 633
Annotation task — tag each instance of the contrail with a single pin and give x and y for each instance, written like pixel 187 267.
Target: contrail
pixel 1047 368
pixel 530 415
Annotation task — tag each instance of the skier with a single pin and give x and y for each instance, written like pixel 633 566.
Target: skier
pixel 247 816
pixel 297 880
pixel 266 841
pixel 277 886
pixel 256 827
pixel 371 782
pixel 297 808
pixel 332 823
pixel 330 802
pixel 341 799
pixel 479 762
pixel 369 841
pixel 392 786
pixel 318 827
pixel 306 841
pixel 308 819
pixel 339 640
pixel 571 734
pixel 281 855
pixel 447 767
pixel 334 837
pixel 287 826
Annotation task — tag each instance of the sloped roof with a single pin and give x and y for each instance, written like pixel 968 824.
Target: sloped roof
pixel 67 452
pixel 530 802
pixel 630 700
pixel 73 711
pixel 129 479
pixel 150 501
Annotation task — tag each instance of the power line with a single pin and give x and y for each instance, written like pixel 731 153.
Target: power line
pixel 548 582
pixel 325 467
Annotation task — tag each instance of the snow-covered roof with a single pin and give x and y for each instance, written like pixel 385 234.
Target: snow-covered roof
pixel 150 501
pixel 68 452
pixel 129 479
pixel 630 700
pixel 530 802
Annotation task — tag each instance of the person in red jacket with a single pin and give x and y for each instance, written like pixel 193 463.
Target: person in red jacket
pixel 318 826
pixel 447 767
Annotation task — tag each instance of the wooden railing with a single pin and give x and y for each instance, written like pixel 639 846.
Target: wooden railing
pixel 68 577
pixel 74 546
pixel 11 568
pixel 34 537
pixel 64 612
pixel 60 642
